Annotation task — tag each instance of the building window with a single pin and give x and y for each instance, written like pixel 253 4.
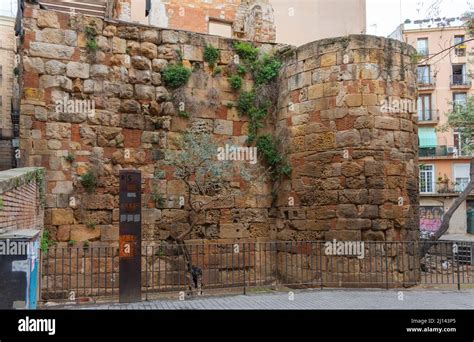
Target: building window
pixel 220 27
pixel 427 179
pixel 459 100
pixel 424 107
pixel 459 76
pixel 424 75
pixel 460 48
pixel 422 46
pixel 461 176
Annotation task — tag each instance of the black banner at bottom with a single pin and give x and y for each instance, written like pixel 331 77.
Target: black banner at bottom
pixel 85 325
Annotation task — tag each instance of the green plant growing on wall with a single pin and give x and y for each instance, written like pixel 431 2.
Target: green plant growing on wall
pixel 267 146
pixel 86 244
pixel 256 117
pixel 217 71
pixel 45 242
pixel 91 43
pixel 89 181
pixel 183 114
pixel 70 158
pixel 246 51
pixel 211 55
pixel 91 224
pixel 176 75
pixel 235 82
pixel 158 199
pixel 245 103
pixel 179 55
pixel 241 70
pixel 265 70
pixel 72 242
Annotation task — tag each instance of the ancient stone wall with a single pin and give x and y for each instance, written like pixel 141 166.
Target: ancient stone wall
pixel 134 123
pixel 351 141
pixel 354 162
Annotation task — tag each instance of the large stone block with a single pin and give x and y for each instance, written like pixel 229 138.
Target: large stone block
pixel 62 216
pixel 77 70
pixel 52 51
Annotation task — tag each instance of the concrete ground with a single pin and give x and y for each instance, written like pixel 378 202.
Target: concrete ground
pixel 311 300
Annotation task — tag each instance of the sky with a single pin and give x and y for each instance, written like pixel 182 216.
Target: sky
pixel 6 7
pixel 383 16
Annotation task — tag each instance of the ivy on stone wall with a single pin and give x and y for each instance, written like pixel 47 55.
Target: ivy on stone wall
pixel 256 103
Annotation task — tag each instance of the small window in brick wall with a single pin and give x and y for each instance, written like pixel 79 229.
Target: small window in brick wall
pixel 220 28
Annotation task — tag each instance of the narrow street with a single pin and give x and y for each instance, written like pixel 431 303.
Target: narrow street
pixel 312 300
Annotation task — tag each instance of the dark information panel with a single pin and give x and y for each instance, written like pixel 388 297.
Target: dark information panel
pixel 130 236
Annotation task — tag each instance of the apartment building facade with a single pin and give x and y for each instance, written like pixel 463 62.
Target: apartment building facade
pixel 444 84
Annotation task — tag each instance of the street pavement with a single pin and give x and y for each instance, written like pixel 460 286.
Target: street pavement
pixel 311 300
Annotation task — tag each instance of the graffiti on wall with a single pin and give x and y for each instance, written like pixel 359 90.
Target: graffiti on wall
pixel 430 220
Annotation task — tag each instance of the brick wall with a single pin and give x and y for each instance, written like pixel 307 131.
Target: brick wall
pixel 252 20
pixel 7 63
pixel 20 193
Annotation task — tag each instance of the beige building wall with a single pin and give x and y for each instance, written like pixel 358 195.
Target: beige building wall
pixel 441 69
pixel 303 21
pixel 441 93
pixel 7 63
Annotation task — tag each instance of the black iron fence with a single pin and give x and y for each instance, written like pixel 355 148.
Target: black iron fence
pixel 75 273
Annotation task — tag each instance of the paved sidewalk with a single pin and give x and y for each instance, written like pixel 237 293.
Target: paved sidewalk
pixel 314 300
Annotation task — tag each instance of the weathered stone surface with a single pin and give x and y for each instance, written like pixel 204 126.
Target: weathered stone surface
pixel 55 67
pixel 62 216
pixel 47 19
pixel 99 70
pixel 81 233
pixel 53 51
pixel 145 92
pixel 159 65
pixel 76 69
pixel 141 63
pixel 33 65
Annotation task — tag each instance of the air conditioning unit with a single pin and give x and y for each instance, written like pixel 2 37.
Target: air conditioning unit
pixel 452 150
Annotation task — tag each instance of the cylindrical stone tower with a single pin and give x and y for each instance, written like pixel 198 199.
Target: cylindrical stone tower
pixel 346 118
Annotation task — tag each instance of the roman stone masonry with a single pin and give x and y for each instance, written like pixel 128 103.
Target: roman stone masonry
pixel 135 123
pixel 95 101
pixel 352 148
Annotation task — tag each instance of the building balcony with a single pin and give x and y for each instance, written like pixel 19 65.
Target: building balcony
pixel 439 151
pixel 460 82
pixel 446 188
pixel 426 82
pixel 460 51
pixel 428 117
pixel 424 52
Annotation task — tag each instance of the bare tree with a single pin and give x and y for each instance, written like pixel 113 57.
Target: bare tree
pixel 208 184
